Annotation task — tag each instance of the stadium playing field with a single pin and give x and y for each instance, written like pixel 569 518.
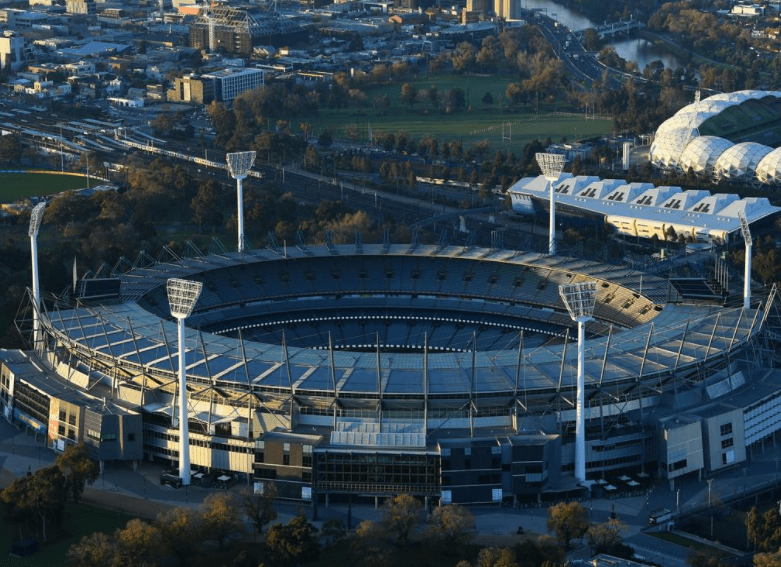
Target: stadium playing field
pixel 15 185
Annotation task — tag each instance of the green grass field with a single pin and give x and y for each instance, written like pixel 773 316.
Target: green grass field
pixel 504 129
pixel 14 186
pixel 80 520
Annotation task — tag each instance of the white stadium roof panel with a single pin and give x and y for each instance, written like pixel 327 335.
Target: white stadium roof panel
pixel 655 196
pixel 627 193
pixel 685 199
pixel 600 189
pixel 667 147
pixel 572 185
pixel 741 160
pixel 769 168
pixel 701 153
pixel 713 204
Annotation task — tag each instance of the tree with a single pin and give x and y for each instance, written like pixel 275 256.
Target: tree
pixel 409 94
pixel 451 526
pixel 603 537
pixel 764 530
pixel 567 520
pixel 768 559
pixel 324 140
pixel 371 544
pixel 259 506
pixel 95 550
pixel 180 532
pixel 207 205
pixel 488 99
pixel 78 468
pixel 456 98
pixel 294 542
pixel 333 531
pixel 496 557
pixel 401 515
pixel 220 517
pixel 137 545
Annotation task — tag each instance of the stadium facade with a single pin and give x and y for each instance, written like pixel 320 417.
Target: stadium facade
pixel 371 370
pixel 728 136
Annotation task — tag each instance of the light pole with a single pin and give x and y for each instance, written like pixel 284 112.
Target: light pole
pixel 36 218
pixel 239 164
pixel 551 166
pixel 744 229
pixel 710 482
pixel 182 295
pixel 579 299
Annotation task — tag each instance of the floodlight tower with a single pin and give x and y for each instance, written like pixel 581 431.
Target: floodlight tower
pixel 182 295
pixel 744 229
pixel 551 166
pixel 239 164
pixel 36 217
pixel 579 299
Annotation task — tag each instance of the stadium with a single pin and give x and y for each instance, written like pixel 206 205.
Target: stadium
pixel 368 370
pixel 729 136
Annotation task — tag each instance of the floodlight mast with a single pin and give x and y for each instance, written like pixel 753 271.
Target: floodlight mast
pixel 744 229
pixel 182 296
pixel 579 299
pixel 551 166
pixel 239 164
pixel 36 218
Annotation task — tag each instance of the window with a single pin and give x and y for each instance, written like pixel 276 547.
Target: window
pixel 726 429
pixel 71 434
pixel 61 430
pixel 131 436
pixel 63 416
pixel 72 419
pixel 726 443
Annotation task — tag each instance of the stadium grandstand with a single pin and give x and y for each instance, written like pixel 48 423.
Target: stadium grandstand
pixel 646 211
pixel 446 372
pixel 728 136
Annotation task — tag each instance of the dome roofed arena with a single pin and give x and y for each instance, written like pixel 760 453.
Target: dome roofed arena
pixel 728 136
pixel 370 370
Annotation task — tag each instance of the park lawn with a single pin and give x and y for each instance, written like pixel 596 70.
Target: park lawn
pixel 80 520
pixel 14 186
pixel 482 122
pixel 679 540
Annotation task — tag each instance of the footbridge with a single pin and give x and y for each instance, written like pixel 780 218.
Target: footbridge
pixel 614 28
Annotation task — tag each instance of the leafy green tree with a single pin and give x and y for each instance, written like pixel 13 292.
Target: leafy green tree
pixel 137 545
pixel 221 517
pixel 456 98
pixel 567 520
pixel 603 537
pixel 451 526
pixel 180 533
pixel 764 530
pixel 294 542
pixel 333 531
pixel 401 515
pixel 79 469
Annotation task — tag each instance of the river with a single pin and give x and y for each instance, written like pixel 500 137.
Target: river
pixel 634 49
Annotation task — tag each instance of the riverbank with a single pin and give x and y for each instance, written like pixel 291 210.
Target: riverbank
pixel 679 51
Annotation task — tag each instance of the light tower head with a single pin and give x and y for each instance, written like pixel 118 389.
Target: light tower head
pixel 744 229
pixel 239 163
pixel 579 299
pixel 551 165
pixel 36 218
pixel 182 295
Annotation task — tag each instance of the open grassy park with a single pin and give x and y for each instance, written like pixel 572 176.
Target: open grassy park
pixel 505 128
pixel 15 185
